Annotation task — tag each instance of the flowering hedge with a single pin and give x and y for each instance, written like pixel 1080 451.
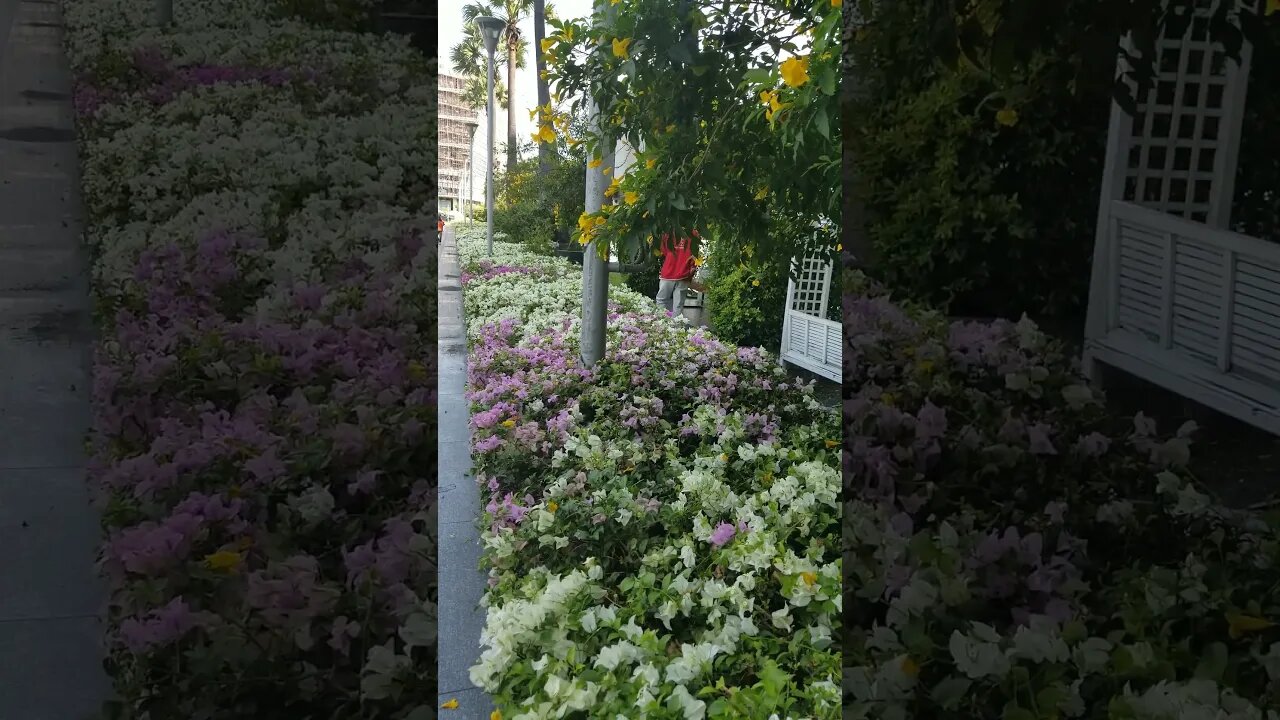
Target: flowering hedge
pixel 1014 551
pixel 660 529
pixel 258 193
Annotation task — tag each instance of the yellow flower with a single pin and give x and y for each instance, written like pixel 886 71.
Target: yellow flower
pixel 697 262
pixel 553 506
pixel 495 715
pixel 1238 625
pixel 724 457
pixel 839 247
pixel 770 98
pixel 631 198
pixel 595 163
pixel 584 222
pixel 763 193
pixel 545 134
pixel 671 128
pixel 837 3
pixel 450 704
pixel 650 163
pixel 508 423
pixel 223 560
pixel 547 43
pixel 544 75
pixel 809 578
pixel 909 667
pixel 831 443
pixel 568 34
pixel 755 283
pixel 620 47
pixel 1007 117
pixel 795 71
pixel 612 189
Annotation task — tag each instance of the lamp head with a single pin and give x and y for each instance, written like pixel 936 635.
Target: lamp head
pixel 490 29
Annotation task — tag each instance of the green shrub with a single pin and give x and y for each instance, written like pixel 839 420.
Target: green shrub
pixel 646 281
pixel 744 313
pixel 541 211
pixel 969 214
pixel 746 296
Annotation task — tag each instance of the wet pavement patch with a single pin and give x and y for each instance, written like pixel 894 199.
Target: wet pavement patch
pixel 37 134
pixel 43 95
pixel 60 325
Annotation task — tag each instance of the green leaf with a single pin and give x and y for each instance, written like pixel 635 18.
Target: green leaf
pixel 950 692
pixel 1013 712
pixel 1213 663
pixel 758 76
pixel 824 124
pixel 827 81
pixel 772 678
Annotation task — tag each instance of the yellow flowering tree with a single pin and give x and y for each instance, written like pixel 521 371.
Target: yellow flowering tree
pixel 737 122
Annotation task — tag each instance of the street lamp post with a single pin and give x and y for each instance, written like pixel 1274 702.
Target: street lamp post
pixel 471 168
pixel 595 269
pixel 490 29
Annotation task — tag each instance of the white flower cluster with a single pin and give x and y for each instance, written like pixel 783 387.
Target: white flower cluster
pixel 715 584
pixel 352 168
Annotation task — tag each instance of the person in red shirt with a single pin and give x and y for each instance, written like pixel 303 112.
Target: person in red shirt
pixel 439 228
pixel 676 274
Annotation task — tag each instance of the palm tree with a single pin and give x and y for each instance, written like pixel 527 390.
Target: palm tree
pixel 468 58
pixel 540 64
pixel 512 13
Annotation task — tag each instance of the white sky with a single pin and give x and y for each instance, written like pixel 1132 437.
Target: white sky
pixel 450 34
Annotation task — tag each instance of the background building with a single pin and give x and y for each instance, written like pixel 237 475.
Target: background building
pixel 454 143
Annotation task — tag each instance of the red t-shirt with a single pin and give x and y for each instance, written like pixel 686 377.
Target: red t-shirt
pixel 677 262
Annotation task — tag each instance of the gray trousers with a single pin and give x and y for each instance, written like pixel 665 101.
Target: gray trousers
pixel 670 295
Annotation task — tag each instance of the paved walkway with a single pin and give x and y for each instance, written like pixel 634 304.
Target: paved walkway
pixel 50 596
pixel 462 584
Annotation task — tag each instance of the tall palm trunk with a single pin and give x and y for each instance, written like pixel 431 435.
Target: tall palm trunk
pixel 858 249
pixel 511 104
pixel 544 92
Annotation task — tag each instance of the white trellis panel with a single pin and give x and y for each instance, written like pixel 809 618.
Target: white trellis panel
pixel 1179 151
pixel 1175 297
pixel 809 339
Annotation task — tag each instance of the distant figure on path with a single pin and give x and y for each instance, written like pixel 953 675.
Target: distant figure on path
pixel 676 275
pixel 439 228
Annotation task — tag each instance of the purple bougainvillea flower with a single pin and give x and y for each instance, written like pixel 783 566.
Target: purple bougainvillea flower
pixel 723 533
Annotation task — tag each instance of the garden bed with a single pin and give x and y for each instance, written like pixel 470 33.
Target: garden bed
pixel 264 409
pixel 662 530
pixel 1014 549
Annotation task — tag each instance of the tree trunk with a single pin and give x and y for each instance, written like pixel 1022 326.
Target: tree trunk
pixel 511 106
pixel 544 92
pixel 858 250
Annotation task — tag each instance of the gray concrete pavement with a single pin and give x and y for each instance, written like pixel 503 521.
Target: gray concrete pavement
pixel 462 584
pixel 50 595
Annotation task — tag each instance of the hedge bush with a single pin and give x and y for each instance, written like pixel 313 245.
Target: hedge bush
pixel 661 529
pixel 263 407
pixel 1014 550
